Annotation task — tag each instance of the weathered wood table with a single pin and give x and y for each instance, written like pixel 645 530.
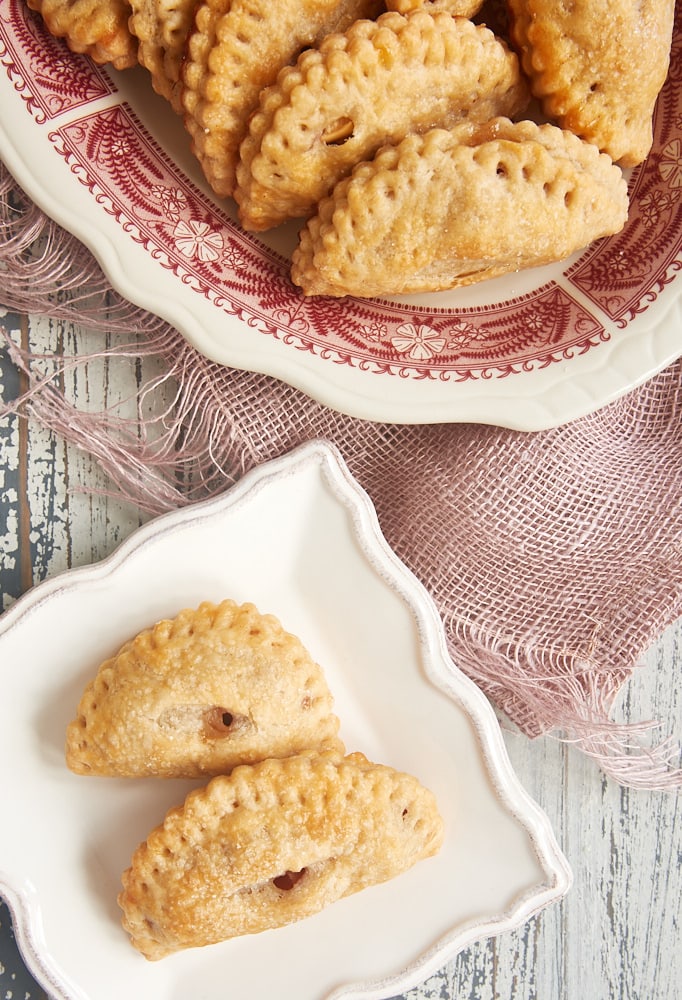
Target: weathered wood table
pixel 616 934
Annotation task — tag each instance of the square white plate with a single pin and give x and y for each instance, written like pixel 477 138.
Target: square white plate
pixel 300 539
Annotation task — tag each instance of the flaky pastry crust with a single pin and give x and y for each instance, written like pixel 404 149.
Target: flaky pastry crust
pixel 234 50
pixel 95 28
pixel 198 694
pixel 162 27
pixel 375 83
pixel 271 844
pixel 451 208
pixel 597 66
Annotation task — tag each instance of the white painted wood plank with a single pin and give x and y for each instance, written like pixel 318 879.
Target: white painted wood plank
pixel 10 576
pixel 616 935
pixel 49 525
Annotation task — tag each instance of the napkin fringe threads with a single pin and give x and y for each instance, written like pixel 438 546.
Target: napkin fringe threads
pixel 554 558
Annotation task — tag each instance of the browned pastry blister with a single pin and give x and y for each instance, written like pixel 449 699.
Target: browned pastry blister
pixel 162 27
pixel 195 695
pixel 597 66
pixel 457 206
pixel 271 844
pixel 96 28
pixel 236 48
pixel 375 83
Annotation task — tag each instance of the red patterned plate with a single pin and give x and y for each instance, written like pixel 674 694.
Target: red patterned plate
pixel 108 159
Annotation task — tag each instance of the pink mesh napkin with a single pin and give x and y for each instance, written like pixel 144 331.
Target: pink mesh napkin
pixel 554 557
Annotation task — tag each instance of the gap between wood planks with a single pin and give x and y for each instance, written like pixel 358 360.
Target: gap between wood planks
pixel 24 526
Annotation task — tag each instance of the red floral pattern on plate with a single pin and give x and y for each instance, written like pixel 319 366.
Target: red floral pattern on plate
pixel 51 80
pixel 137 182
pixel 134 181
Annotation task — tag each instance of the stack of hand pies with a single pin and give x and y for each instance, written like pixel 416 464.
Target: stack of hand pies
pixel 420 149
pixel 288 822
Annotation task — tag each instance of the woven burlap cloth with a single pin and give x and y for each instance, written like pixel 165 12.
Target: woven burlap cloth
pixel 555 558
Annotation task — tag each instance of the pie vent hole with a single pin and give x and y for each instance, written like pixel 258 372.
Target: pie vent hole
pixel 220 721
pixel 288 880
pixel 338 132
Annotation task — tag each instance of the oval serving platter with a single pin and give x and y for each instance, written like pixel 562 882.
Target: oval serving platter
pixel 109 160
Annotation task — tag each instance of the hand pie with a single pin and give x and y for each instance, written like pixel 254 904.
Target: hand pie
pixel 236 48
pixel 597 66
pixel 454 207
pixel 271 844
pixel 374 84
pixel 95 28
pixel 196 695
pixel 162 27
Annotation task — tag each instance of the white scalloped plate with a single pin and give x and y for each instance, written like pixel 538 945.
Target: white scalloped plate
pixel 299 538
pixel 108 159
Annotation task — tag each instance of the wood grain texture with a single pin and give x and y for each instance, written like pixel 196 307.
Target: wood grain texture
pixel 614 937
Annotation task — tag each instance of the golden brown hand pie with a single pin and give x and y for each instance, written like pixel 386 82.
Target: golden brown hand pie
pixel 454 207
pixel 162 27
pixel 597 66
pixel 96 28
pixel 214 687
pixel 373 84
pixel 271 844
pixel 236 48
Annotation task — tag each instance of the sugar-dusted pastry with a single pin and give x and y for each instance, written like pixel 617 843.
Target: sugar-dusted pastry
pixel 236 48
pixel 271 844
pixel 96 28
pixel 373 84
pixel 200 693
pixel 162 27
pixel 597 66
pixel 453 207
